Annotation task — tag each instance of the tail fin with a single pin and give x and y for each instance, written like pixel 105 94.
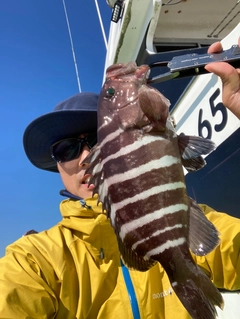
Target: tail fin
pixel 198 295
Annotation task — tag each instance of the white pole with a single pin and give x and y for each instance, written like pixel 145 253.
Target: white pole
pixel 73 53
pixel 101 24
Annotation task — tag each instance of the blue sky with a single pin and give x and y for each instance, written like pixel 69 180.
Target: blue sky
pixel 36 73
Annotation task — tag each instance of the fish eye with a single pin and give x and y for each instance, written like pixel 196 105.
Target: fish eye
pixel 110 92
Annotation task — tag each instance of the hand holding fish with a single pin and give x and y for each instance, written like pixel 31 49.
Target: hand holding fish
pixel 230 78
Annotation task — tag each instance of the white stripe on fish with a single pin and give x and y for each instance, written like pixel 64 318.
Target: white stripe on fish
pixel 130 147
pixel 165 161
pixel 111 136
pixel 158 232
pixel 167 245
pixel 148 218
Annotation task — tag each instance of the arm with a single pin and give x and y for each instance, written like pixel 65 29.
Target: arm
pixel 230 79
pixel 25 292
pixel 222 265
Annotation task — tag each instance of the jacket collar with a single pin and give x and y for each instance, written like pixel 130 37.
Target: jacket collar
pixel 89 224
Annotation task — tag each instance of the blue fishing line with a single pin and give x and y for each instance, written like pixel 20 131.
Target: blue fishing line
pixel 131 292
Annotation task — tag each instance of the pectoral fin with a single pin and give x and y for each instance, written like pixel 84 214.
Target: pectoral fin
pixel 203 236
pixel 191 148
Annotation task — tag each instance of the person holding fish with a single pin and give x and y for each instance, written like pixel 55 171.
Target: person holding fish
pixel 77 269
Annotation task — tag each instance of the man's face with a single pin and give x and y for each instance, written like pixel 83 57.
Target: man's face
pixel 73 178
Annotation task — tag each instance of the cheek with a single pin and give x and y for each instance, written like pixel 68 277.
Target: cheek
pixel 68 170
pixel 69 176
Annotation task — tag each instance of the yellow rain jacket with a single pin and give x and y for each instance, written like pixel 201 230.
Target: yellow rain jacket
pixel 73 271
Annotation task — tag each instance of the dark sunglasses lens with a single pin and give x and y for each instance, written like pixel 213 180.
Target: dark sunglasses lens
pixel 92 139
pixel 67 150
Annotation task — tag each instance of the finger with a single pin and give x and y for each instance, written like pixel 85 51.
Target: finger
pixel 215 47
pixel 222 69
pixel 231 84
pixel 228 74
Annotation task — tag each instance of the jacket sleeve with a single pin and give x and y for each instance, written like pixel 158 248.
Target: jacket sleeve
pixel 223 264
pixel 25 290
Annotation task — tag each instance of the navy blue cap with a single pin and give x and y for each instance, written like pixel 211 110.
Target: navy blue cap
pixel 74 116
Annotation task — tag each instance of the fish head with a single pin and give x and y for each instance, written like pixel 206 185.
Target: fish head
pixel 127 99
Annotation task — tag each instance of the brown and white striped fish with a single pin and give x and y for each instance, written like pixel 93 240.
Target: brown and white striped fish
pixel 137 172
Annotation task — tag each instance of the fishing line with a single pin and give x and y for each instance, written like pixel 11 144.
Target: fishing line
pixel 71 41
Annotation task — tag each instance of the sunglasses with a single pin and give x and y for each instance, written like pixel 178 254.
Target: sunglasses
pixel 70 148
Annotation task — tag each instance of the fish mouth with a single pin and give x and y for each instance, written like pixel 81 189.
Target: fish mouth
pixel 122 71
pixel 142 73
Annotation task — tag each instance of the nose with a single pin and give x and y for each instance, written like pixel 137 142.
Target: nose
pixel 83 155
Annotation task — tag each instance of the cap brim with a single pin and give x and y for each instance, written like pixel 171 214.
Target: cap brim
pixel 49 128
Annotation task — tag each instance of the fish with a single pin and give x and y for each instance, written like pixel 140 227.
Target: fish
pixel 137 171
